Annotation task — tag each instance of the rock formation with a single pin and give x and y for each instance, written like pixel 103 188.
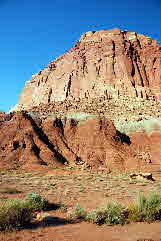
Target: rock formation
pixel 32 143
pixel 109 76
pixel 102 63
pixel 26 143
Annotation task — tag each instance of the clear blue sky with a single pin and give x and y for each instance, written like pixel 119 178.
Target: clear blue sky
pixel 34 32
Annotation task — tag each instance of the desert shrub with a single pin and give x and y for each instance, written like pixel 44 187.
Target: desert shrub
pixel 63 208
pixel 134 213
pixel 14 213
pixel 112 213
pixel 146 208
pixel 77 212
pixel 37 202
pixel 153 207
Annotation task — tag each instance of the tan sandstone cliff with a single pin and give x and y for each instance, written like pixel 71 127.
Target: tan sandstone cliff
pixel 102 63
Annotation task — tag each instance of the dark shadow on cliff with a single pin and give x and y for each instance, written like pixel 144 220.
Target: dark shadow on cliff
pixel 123 137
pixel 43 137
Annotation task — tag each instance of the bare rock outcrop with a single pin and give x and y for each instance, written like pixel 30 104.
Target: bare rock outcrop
pixel 28 144
pixel 102 63
pixel 142 176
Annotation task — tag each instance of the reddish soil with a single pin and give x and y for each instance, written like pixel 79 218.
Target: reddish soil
pixel 88 232
pixel 90 189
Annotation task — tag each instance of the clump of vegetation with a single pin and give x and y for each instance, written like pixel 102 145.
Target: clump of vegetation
pixel 77 212
pixel 146 208
pixel 112 213
pixel 63 208
pixel 14 213
pixel 37 202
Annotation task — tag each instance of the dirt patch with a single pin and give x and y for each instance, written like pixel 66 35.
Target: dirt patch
pixel 90 189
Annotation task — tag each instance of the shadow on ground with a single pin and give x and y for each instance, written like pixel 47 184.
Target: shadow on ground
pixel 46 222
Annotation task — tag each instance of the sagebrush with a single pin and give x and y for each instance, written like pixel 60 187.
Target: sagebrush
pixel 37 202
pixel 14 213
pixel 146 208
pixel 110 214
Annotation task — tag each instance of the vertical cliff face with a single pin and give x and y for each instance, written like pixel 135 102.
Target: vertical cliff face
pixel 102 63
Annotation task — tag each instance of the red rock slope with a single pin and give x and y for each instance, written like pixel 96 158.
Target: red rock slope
pixel 25 143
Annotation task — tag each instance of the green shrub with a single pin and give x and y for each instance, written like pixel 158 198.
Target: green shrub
pixel 146 208
pixel 37 202
pixel 134 213
pixel 14 213
pixel 112 213
pixel 78 212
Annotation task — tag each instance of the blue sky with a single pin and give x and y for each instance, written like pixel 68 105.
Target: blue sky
pixel 34 32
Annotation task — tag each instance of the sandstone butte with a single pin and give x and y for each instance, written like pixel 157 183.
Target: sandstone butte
pixel 102 66
pixel 102 63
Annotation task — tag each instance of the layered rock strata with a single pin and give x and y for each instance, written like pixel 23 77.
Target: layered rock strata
pixel 108 63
